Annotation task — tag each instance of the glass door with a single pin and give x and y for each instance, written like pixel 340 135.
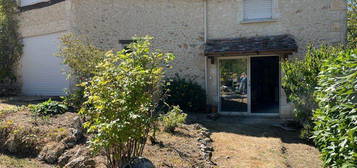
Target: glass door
pixel 233 85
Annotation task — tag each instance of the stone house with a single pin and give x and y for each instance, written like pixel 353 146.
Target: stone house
pixel 232 48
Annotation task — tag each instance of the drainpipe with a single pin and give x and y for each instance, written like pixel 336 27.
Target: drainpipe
pixel 205 41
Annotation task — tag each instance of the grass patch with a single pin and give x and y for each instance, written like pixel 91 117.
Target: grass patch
pixel 13 162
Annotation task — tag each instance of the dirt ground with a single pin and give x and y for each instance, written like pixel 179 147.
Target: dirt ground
pixel 238 142
pixel 250 142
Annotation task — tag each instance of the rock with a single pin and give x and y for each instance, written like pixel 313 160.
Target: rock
pixel 70 141
pixel 72 154
pixel 206 141
pixel 197 126
pixel 140 163
pixel 205 148
pixel 51 152
pixel 65 158
pixel 204 134
pixel 75 136
pixel 81 162
pixel 77 123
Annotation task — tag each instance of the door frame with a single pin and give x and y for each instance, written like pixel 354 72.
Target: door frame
pixel 249 112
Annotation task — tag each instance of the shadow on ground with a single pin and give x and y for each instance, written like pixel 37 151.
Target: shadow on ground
pixel 241 141
pixel 255 126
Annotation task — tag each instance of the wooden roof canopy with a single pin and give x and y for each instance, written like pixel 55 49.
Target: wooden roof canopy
pixel 264 45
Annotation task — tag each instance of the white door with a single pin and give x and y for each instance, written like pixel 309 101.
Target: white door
pixel 42 71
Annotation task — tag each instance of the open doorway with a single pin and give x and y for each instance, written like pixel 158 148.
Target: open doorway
pixel 265 84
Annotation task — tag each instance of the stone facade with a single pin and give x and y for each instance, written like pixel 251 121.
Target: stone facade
pixel 178 26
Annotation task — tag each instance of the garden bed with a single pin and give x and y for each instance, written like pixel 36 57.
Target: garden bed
pixel 59 140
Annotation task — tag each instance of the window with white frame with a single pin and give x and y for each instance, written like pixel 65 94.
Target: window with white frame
pixel 30 2
pixel 257 9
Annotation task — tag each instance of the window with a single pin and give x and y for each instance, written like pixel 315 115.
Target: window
pixel 31 2
pixel 258 9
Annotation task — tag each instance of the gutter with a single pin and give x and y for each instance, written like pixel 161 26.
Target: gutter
pixel 205 20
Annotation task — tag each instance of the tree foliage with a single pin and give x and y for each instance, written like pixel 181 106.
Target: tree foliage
pixel 10 41
pixel 122 97
pixel 300 82
pixel 80 56
pixel 352 23
pixel 336 116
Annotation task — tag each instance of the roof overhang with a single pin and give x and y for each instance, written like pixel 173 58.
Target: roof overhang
pixel 266 45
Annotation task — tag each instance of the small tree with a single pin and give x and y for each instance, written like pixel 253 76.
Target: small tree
pixel 10 41
pixel 122 98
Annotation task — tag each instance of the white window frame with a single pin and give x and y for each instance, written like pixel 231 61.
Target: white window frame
pixel 275 14
pixel 30 2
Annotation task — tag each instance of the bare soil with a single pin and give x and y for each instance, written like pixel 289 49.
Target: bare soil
pixel 248 142
pixel 180 149
pixel 238 142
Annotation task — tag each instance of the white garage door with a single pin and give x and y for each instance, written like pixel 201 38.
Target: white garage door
pixel 42 71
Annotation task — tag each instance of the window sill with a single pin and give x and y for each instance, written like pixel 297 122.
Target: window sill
pixel 258 21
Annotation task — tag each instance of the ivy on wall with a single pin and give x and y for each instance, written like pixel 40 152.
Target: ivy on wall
pixel 10 41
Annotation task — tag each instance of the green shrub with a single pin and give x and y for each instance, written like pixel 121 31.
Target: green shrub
pixel 187 94
pixel 336 116
pixel 300 82
pixel 48 108
pixel 82 57
pixel 10 41
pixel 75 99
pixel 173 118
pixel 122 98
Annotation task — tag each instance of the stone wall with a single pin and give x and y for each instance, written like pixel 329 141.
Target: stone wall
pixel 45 20
pixel 177 27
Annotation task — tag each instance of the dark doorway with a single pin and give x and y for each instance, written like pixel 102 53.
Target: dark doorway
pixel 265 84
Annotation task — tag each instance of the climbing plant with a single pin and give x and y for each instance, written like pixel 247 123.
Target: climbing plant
pixel 10 41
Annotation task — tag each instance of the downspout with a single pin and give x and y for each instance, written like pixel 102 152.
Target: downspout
pixel 205 41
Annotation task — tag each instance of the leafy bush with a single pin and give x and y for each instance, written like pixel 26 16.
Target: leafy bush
pixel 300 82
pixel 336 116
pixel 173 118
pixel 81 57
pixel 75 99
pixel 122 98
pixel 48 108
pixel 187 94
pixel 10 41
